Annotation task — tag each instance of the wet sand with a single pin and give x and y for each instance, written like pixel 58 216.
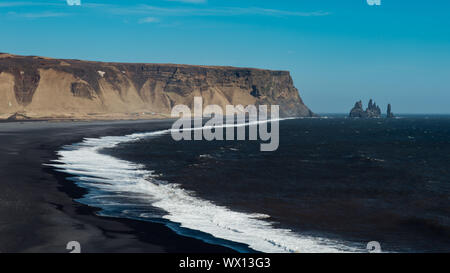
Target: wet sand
pixel 37 208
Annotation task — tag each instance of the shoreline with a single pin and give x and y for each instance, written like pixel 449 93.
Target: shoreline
pixel 39 213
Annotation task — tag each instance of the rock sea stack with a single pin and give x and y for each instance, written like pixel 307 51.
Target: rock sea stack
pixel 372 111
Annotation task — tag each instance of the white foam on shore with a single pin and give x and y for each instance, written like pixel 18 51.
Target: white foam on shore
pixel 119 177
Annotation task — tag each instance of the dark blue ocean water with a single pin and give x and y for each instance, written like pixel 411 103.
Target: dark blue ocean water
pixel 347 180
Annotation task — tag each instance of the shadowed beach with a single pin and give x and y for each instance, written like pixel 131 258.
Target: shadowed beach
pixel 37 208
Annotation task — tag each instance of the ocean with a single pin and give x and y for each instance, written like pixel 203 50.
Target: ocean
pixel 334 185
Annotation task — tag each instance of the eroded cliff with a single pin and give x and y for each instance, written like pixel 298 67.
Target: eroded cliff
pixel 37 87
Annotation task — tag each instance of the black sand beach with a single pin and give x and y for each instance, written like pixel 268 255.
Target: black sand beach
pixel 37 211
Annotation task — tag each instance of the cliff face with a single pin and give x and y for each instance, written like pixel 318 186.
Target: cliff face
pixel 36 87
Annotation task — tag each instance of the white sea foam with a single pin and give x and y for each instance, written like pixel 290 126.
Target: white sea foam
pixel 113 177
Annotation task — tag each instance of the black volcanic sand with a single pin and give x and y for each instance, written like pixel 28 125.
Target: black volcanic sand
pixel 37 211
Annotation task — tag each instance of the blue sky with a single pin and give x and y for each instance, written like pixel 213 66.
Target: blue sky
pixel 337 51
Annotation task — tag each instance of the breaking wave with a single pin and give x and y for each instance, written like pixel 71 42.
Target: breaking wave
pixel 126 189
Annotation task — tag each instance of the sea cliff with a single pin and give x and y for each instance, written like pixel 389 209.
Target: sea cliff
pixel 43 88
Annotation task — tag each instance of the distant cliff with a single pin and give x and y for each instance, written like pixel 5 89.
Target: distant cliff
pixel 37 87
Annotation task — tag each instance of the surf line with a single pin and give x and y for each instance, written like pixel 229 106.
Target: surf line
pixel 213 129
pixel 106 176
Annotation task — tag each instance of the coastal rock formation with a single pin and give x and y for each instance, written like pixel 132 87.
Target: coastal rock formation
pixel 389 112
pixel 358 111
pixel 40 87
pixel 17 116
pixel 372 111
